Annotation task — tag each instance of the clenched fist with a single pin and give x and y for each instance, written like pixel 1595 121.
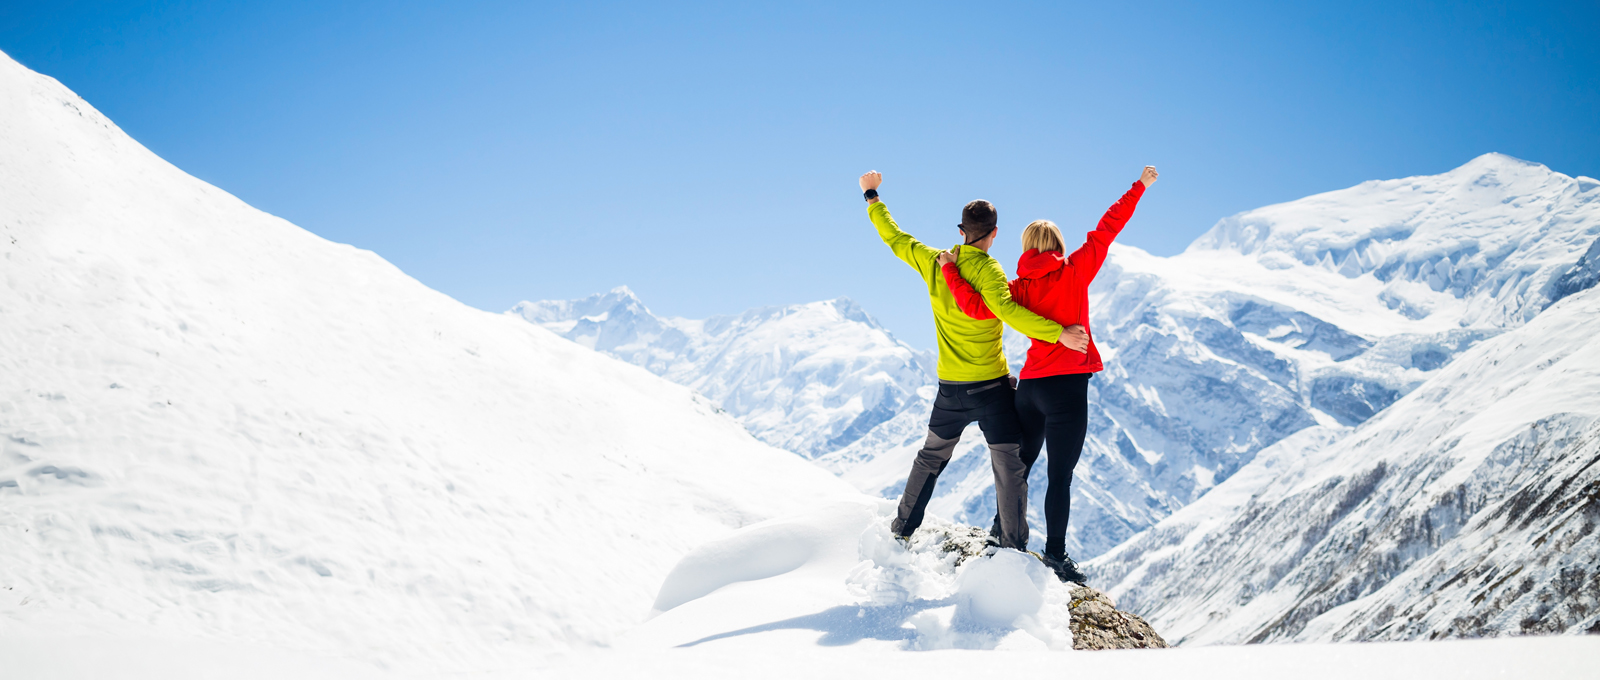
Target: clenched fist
pixel 871 180
pixel 1149 176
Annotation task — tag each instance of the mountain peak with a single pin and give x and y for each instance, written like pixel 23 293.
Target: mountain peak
pixel 1497 159
pixel 1463 234
pixel 619 301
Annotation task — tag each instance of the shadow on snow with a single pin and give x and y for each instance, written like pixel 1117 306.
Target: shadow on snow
pixel 847 624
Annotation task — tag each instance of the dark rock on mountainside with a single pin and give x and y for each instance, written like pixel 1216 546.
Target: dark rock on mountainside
pixel 1581 277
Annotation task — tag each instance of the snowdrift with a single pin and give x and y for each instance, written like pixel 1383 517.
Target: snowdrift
pixel 836 577
pixel 217 425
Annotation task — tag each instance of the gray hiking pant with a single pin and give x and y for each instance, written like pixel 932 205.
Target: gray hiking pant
pixel 992 405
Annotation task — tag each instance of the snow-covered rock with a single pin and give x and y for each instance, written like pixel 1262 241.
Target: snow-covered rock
pixel 1468 508
pixel 809 378
pixel 217 426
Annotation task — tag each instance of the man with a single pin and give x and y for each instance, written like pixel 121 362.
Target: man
pixel 974 380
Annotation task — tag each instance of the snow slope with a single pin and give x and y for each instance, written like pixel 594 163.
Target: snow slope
pixel 1466 509
pixel 809 378
pixel 216 425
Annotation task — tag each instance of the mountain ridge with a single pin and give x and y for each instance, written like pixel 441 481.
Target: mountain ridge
pixel 810 377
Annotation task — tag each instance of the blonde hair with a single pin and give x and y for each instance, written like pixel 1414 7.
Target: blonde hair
pixel 1043 236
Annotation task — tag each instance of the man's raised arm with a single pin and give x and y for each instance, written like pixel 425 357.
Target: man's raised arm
pixel 905 247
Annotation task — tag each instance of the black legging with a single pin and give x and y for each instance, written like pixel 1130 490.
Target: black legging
pixel 1055 413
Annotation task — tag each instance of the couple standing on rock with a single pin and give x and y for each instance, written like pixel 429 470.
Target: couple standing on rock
pixel 1049 405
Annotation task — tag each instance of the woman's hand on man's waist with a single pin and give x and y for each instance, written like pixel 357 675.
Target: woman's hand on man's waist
pixel 1075 338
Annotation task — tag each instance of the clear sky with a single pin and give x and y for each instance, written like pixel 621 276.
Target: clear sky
pixel 707 155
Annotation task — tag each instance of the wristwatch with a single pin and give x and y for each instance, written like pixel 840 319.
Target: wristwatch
pixel 870 194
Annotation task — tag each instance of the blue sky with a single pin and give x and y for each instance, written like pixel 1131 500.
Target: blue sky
pixel 706 155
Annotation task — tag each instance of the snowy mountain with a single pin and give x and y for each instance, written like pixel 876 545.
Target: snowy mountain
pixel 1321 311
pixel 1466 509
pixel 809 378
pixel 217 426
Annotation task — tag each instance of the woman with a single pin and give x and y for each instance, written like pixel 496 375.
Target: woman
pixel 1053 394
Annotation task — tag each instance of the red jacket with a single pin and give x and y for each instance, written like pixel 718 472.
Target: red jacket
pixel 1056 288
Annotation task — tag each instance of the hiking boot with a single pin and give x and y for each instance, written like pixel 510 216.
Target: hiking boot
pixel 993 540
pixel 1065 569
pixel 904 541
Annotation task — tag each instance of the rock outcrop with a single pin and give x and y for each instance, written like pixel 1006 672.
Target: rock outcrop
pixel 1096 621
pixel 1098 624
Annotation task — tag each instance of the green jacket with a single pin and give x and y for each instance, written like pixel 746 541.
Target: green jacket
pixel 969 349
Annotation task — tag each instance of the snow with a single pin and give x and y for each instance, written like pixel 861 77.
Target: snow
pixel 139 659
pixel 218 426
pixel 1549 658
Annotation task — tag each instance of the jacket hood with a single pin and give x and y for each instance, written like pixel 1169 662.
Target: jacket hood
pixel 1034 264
